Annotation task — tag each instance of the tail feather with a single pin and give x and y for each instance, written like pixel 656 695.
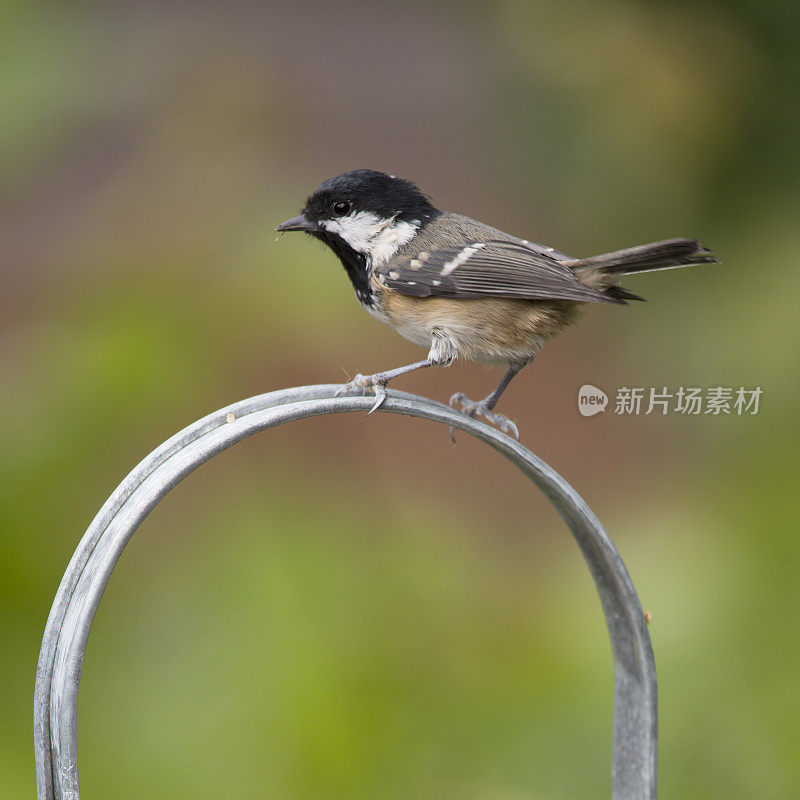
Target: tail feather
pixel 621 293
pixel 669 254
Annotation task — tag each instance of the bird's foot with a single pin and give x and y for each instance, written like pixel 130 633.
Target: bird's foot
pixel 472 409
pixel 376 382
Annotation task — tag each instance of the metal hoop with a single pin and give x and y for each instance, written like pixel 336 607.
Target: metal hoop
pixel 64 643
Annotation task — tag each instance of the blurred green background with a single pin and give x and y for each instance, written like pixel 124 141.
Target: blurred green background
pixel 351 607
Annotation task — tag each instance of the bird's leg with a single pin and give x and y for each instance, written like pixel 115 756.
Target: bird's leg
pixel 485 406
pixel 378 381
pixel 442 353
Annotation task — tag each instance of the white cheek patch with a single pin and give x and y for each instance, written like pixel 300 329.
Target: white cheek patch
pixel 372 235
pixel 356 229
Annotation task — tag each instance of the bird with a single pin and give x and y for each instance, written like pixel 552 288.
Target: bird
pixel 459 287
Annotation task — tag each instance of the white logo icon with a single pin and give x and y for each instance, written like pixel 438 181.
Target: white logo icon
pixel 591 400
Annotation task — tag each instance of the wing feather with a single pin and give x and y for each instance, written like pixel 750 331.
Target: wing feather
pixel 494 268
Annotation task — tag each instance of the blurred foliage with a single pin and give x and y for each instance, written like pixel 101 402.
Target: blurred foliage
pixel 354 608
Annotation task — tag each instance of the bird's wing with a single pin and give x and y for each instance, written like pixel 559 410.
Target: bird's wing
pixel 494 268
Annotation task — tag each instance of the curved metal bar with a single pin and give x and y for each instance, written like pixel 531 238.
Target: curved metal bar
pixel 88 573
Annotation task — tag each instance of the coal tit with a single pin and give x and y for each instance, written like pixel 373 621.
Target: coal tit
pixel 458 287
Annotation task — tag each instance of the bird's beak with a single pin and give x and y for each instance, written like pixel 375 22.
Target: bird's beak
pixel 296 224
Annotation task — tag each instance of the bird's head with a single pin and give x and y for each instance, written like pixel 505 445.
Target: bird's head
pixel 369 213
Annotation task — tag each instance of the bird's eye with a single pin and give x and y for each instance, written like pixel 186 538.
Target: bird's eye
pixel 341 208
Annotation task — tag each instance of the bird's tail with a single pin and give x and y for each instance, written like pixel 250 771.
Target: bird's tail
pixel 670 254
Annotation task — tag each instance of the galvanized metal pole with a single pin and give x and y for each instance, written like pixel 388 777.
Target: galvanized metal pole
pixel 88 573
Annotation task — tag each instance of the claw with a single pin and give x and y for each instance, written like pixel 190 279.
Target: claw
pixel 380 395
pixel 375 382
pixel 458 397
pixel 506 425
pixel 359 382
pixel 473 409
